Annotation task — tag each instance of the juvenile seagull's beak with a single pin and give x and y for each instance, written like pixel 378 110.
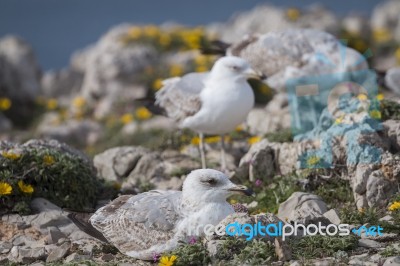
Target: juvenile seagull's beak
pixel 251 73
pixel 242 190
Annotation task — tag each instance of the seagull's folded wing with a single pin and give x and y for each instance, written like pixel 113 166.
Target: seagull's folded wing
pixel 180 97
pixel 137 223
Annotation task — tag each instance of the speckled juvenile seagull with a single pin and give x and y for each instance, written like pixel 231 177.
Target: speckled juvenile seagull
pixel 153 222
pixel 214 103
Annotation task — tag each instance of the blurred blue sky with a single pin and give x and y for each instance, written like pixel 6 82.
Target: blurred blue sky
pixel 56 28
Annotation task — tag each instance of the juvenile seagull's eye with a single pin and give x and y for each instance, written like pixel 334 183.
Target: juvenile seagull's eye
pixel 210 181
pixel 236 68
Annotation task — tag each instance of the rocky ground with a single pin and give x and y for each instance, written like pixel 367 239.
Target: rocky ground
pixel 73 139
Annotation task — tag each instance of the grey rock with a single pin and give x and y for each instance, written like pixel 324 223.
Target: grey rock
pixel 107 257
pixel 303 208
pixel 54 234
pixel 5 123
pixel 333 216
pixel 282 250
pixel 27 255
pixel 22 240
pixel 42 205
pixel 82 132
pixel 5 247
pixel 214 247
pixel 21 74
pixel 392 127
pixel 368 243
pixel 395 261
pixel 379 189
pixel 75 257
pixel 112 68
pixel 47 219
pixel 325 262
pixel 117 163
pixel 58 253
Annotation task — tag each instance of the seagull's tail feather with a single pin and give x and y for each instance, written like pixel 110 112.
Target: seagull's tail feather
pixel 82 221
pixel 216 47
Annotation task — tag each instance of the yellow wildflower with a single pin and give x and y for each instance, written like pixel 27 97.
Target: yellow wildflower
pixel 157 84
pixel 126 118
pixel 313 160
pixel 25 187
pixel 213 139
pixel 293 14
pixel 380 97
pixel 232 201
pixel 79 102
pixel 200 60
pixel 398 54
pixel 362 97
pixel 142 113
pixel 195 141
pixel 192 38
pixel 48 160
pixel 201 69
pixel 5 104
pixel 339 120
pixel 135 32
pixel 167 261
pixel 394 206
pixel 375 114
pixel 239 128
pixel 11 155
pixel 176 70
pixel 253 140
pixel 51 104
pixel 151 31
pixel 5 188
pixel 165 39
pixel 381 35
pixel 360 45
pixel 361 210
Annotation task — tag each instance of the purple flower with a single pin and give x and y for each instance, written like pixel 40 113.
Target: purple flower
pixel 258 183
pixel 156 257
pixel 192 240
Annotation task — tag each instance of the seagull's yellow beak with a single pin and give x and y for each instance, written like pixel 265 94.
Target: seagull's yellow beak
pixel 252 74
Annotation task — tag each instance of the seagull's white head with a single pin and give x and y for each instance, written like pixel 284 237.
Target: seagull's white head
pixel 208 185
pixel 233 67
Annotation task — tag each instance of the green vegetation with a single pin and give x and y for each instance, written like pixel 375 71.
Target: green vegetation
pixel 191 254
pixel 321 246
pixel 284 135
pixel 66 180
pixel 390 110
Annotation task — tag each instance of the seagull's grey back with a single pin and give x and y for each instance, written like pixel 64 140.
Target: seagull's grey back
pixel 180 96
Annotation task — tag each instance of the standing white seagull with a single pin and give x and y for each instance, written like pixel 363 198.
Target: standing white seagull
pixel 214 102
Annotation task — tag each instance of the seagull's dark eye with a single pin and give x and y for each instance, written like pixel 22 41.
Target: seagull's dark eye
pixel 236 68
pixel 210 181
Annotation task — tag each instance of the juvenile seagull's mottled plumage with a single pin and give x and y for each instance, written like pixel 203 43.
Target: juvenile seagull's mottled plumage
pixel 153 222
pixel 214 103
